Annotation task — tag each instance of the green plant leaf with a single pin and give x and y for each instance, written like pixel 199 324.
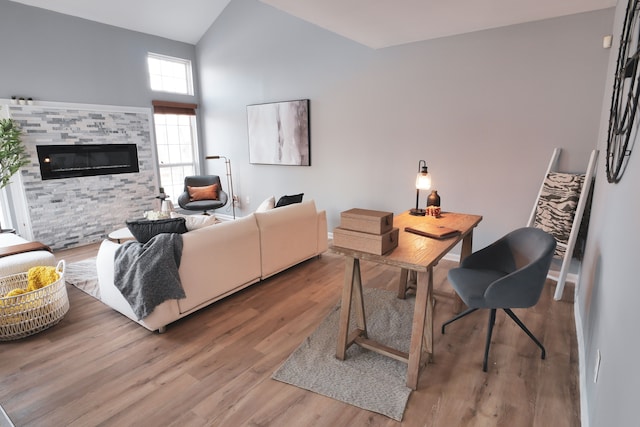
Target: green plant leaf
pixel 12 152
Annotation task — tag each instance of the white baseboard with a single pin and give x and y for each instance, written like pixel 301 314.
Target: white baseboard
pixel 582 362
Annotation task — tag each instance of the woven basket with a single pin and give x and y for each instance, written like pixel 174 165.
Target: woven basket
pixel 31 312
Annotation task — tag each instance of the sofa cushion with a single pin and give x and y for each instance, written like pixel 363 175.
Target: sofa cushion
pixel 194 222
pixel 218 260
pixel 208 192
pixel 267 205
pixel 288 235
pixel 289 200
pixel 143 229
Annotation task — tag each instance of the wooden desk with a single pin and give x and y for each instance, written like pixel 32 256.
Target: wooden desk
pixel 415 256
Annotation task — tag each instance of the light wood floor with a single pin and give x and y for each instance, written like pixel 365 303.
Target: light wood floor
pixel 213 368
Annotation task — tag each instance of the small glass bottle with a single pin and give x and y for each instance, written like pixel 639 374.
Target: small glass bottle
pixel 433 199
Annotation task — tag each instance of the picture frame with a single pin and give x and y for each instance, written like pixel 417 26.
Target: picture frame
pixel 279 133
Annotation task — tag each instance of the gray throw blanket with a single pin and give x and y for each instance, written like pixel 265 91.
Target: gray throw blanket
pixel 147 274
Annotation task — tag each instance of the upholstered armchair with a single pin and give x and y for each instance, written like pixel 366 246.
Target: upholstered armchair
pixel 199 195
pixel 509 273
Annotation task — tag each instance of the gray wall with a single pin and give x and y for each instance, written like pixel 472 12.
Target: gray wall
pixel 53 57
pixel 485 111
pixel 609 292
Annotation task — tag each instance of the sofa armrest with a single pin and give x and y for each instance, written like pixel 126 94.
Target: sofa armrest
pixel 163 314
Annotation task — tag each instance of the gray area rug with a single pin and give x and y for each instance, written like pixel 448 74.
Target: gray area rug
pixel 364 379
pixel 83 275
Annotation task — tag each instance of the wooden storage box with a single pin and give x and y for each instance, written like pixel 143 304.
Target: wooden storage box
pixel 378 244
pixel 366 221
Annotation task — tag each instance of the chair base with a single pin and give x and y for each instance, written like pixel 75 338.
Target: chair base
pixel 492 321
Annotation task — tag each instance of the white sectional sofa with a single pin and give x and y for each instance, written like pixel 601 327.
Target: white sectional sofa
pixel 221 259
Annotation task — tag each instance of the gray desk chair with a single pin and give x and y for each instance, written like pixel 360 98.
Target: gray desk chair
pixel 509 273
pixel 185 202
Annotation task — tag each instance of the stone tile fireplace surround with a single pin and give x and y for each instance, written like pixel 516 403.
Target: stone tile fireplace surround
pixel 70 212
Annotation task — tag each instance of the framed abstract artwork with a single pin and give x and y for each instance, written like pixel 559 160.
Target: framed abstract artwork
pixel 279 133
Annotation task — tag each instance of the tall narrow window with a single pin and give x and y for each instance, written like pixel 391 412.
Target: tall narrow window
pixel 168 74
pixel 176 143
pixel 4 217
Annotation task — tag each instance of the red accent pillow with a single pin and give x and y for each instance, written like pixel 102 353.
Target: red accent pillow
pixel 210 192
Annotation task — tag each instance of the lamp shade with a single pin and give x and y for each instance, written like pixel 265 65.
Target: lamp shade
pixel 423 180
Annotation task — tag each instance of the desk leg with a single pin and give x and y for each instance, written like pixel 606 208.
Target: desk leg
pixel 402 286
pixel 467 245
pixel 428 326
pixel 352 289
pixel 358 300
pixel 422 328
pixel 407 281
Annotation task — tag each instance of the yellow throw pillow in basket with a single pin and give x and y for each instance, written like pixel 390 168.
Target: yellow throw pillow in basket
pixel 15 292
pixel 39 277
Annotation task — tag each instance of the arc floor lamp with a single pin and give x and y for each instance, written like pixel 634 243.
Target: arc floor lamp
pixel 227 163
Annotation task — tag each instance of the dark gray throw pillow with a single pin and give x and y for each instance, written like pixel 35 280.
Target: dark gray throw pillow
pixel 144 229
pixel 289 200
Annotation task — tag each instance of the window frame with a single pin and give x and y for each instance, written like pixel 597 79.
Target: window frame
pixel 173 60
pixel 179 109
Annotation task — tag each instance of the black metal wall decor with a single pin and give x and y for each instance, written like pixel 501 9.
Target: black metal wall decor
pixel 624 100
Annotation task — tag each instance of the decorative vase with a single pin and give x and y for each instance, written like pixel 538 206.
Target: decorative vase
pixel 433 199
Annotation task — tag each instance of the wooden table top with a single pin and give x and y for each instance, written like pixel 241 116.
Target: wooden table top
pixel 415 252
pixel 121 234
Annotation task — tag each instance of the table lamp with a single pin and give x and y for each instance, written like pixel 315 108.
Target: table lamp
pixel 423 182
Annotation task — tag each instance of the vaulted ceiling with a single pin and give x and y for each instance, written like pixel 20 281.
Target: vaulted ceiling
pixel 373 23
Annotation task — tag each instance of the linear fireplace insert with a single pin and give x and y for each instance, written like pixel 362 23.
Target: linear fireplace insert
pixel 67 161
